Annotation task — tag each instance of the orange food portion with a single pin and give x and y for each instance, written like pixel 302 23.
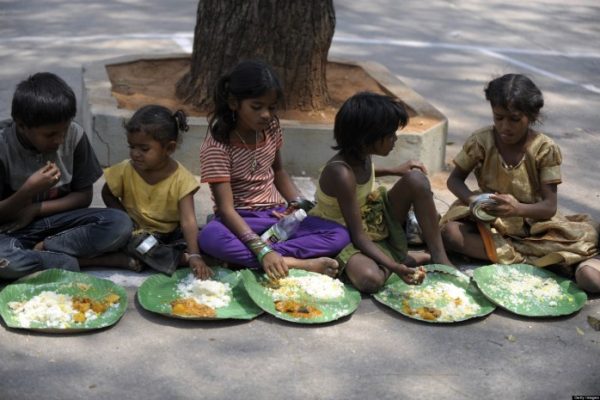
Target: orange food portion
pixel 79 317
pixel 112 298
pixel 296 309
pixel 84 304
pixel 429 313
pixel 191 308
pixel 426 313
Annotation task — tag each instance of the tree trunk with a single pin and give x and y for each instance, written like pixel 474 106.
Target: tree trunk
pixel 291 35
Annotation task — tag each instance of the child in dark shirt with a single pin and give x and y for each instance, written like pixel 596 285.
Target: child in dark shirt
pixel 47 169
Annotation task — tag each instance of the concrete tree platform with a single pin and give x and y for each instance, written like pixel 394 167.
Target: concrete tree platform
pixel 307 145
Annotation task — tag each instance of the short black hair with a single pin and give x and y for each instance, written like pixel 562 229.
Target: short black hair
pixel 364 119
pixel 516 92
pixel 43 99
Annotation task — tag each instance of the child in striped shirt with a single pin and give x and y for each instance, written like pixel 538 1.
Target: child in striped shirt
pixel 241 160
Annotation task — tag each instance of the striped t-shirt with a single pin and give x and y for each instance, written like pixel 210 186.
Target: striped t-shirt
pixel 220 162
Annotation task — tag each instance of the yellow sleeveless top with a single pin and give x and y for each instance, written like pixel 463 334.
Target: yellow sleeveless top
pixel 327 206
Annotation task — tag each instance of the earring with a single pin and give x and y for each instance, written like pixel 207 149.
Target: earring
pixel 233 116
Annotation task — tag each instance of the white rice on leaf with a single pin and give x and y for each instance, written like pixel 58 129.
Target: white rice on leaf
pixel 316 286
pixel 50 309
pixel 452 301
pixel 209 292
pixel 520 288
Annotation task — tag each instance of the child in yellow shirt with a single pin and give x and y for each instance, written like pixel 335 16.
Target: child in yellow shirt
pixel 157 193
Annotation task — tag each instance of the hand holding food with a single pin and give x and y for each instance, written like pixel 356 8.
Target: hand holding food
pixel 412 276
pixel 43 179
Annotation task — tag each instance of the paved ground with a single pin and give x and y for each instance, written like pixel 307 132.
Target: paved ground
pixel 446 51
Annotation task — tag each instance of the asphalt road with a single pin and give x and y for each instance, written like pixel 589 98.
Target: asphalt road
pixel 446 51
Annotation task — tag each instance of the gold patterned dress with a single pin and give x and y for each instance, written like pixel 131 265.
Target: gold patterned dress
pixel 561 240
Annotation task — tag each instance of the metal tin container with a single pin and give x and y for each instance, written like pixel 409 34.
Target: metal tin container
pixel 478 204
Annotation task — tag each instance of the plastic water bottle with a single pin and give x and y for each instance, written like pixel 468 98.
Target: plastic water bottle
pixel 284 228
pixel 414 235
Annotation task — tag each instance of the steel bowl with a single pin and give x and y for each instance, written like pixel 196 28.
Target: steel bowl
pixel 477 207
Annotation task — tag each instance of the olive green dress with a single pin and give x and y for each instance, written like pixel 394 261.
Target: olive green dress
pixel 561 240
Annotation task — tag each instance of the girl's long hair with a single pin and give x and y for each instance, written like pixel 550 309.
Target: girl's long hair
pixel 248 79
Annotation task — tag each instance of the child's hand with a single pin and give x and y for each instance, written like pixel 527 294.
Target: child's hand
pixel 285 212
pixel 299 203
pixel 408 165
pixel 412 276
pixel 506 205
pixel 24 218
pixel 274 265
pixel 198 266
pixel 43 179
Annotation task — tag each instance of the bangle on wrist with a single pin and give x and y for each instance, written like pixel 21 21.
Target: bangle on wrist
pixel 262 253
pixel 248 237
pixel 256 245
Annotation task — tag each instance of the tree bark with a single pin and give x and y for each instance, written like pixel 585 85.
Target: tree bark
pixel 293 36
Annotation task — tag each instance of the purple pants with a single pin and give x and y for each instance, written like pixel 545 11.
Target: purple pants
pixel 316 237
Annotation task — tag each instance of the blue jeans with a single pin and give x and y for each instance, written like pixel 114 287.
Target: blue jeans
pixel 80 233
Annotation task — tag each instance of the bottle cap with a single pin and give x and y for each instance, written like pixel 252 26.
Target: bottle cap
pixel 300 214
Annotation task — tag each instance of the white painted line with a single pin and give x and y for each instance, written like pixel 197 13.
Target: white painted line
pixel 71 39
pixel 592 88
pixel 185 41
pixel 529 67
pixel 337 39
pixel 543 72
pixel 467 47
pixel 492 52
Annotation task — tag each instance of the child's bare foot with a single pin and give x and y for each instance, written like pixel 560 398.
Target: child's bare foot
pixel 39 246
pixel 116 260
pixel 441 259
pixel 134 265
pixel 322 265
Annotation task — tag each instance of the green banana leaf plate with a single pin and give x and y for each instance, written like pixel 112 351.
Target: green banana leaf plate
pixel 68 283
pixel 158 291
pixel 529 291
pixel 331 310
pixel 445 296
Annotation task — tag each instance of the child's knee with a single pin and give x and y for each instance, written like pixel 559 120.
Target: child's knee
pixel 417 181
pixel 587 277
pixel 450 234
pixel 370 281
pixel 214 235
pixel 16 262
pixel 123 226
